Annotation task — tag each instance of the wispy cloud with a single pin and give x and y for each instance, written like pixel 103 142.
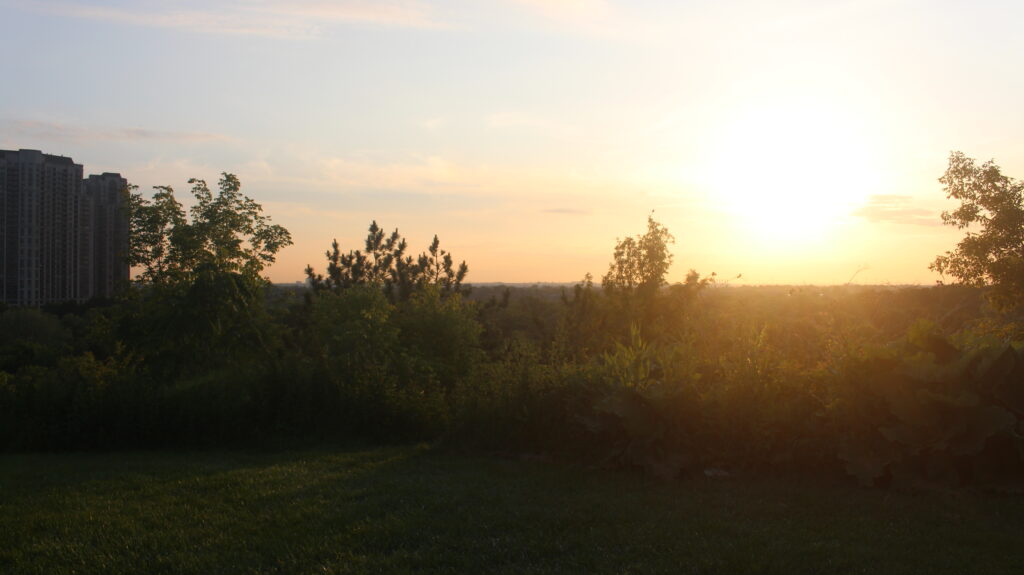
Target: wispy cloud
pixel 509 119
pixel 600 18
pixel 566 211
pixel 896 209
pixel 272 18
pixel 569 11
pixel 296 166
pixel 548 128
pixel 60 132
pixel 432 124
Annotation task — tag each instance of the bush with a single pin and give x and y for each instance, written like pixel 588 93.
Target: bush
pixel 926 411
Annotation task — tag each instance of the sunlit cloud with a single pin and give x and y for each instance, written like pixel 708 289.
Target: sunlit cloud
pixel 423 174
pixel 508 119
pixel 399 13
pixel 63 132
pixel 271 18
pixel 591 17
pixel 304 174
pixel 169 171
pixel 578 11
pixel 432 124
pixel 566 211
pixel 546 128
pixel 896 209
pixel 305 168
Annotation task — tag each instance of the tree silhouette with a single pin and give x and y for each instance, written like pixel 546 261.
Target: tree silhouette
pixel 384 263
pixel 994 254
pixel 640 263
pixel 226 232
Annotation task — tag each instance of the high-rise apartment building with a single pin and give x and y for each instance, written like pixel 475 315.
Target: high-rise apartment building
pixel 62 238
pixel 105 195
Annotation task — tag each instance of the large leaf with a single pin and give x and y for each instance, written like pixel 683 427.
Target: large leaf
pixel 1009 390
pixel 666 466
pixel 910 405
pixel 635 414
pixel 995 371
pixel 979 425
pixel 868 462
pixel 917 438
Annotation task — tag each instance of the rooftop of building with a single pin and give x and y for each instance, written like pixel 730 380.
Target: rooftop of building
pixel 35 156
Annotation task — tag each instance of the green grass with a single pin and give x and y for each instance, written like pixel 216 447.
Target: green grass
pixel 413 509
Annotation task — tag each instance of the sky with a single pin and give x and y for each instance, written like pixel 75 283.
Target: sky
pixel 792 142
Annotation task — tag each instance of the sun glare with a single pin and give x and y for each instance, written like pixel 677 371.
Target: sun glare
pixel 788 174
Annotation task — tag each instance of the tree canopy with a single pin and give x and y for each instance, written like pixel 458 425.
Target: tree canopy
pixel 992 211
pixel 384 263
pixel 641 262
pixel 226 232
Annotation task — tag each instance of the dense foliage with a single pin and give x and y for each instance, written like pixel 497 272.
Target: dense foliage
pixel 907 385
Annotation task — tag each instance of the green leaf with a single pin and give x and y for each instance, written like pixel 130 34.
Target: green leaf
pixel 979 425
pixel 868 462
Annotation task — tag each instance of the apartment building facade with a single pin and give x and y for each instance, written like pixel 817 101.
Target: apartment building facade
pixel 62 237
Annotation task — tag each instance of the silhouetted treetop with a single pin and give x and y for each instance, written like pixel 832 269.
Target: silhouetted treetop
pixel 384 263
pixel 641 262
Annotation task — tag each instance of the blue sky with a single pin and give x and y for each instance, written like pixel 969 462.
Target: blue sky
pixel 793 142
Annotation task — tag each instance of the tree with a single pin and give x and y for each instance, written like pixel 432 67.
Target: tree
pixel 993 255
pixel 640 263
pixel 385 264
pixel 201 302
pixel 633 301
pixel 226 232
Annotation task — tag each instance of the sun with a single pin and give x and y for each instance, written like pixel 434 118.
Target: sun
pixel 788 173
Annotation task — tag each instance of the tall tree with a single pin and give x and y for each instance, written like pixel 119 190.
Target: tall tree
pixel 992 211
pixel 201 302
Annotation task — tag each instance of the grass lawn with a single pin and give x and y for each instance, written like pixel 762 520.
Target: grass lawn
pixel 414 509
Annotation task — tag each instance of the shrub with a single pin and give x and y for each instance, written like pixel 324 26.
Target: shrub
pixel 926 411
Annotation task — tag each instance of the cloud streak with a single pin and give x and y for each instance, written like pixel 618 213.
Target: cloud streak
pixel 602 19
pixel 566 211
pixel 896 209
pixel 576 12
pixel 59 132
pixel 269 18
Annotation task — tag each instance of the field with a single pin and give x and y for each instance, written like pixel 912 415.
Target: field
pixel 418 509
